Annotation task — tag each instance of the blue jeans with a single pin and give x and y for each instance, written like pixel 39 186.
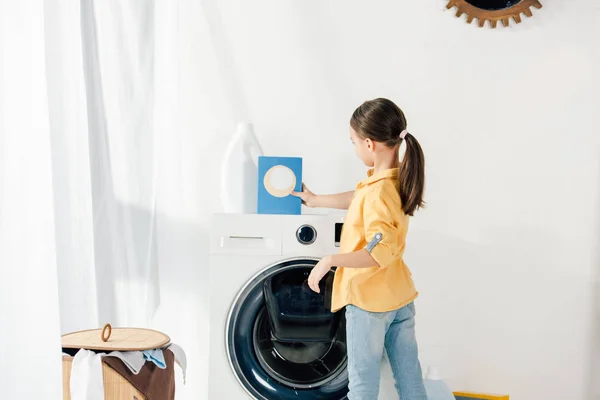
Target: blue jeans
pixel 367 334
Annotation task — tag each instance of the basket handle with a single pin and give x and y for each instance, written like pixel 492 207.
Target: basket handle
pixel 103 335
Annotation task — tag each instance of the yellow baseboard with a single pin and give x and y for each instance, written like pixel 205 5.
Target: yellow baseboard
pixel 480 396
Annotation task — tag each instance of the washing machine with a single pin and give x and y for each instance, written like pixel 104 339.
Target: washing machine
pixel 271 337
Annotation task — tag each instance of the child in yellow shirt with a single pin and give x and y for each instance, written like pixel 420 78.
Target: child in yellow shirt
pixel 371 280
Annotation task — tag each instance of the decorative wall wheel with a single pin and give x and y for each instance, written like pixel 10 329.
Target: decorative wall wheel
pixel 494 10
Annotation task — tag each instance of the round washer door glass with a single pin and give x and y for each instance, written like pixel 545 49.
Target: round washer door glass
pixel 271 368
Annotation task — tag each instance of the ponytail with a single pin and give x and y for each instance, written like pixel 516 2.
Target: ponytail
pixel 383 121
pixel 411 177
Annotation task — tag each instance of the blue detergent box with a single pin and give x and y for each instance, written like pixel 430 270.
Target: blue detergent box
pixel 277 178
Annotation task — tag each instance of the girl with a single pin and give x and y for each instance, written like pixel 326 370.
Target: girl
pixel 372 281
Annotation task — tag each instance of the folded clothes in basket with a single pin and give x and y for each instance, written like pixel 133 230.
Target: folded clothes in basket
pixel 153 382
pixel 134 360
pixel 154 379
pixel 86 376
pixel 156 356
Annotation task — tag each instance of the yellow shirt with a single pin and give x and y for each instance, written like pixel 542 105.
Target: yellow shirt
pixel 375 209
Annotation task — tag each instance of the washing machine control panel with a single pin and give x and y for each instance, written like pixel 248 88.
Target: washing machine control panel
pixel 306 234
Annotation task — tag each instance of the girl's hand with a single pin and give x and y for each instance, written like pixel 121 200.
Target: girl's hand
pixel 318 272
pixel 308 197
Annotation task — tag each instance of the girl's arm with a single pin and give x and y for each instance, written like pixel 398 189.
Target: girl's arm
pixel 356 259
pixel 340 200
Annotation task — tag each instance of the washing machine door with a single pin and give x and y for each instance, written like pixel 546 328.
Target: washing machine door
pixel 271 352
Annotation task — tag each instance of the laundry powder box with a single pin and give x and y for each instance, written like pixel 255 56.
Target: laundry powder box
pixel 278 177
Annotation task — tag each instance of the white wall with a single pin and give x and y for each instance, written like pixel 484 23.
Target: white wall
pixel 506 253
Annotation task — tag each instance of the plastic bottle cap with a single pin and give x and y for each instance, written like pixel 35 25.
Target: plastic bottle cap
pixel 433 373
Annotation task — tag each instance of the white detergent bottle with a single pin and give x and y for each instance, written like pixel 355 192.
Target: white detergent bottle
pixel 239 172
pixel 435 387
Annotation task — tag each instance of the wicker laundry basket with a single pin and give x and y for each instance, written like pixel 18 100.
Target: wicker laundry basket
pixel 106 340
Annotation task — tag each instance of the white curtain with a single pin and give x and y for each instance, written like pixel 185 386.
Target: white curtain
pixel 101 91
pixel 88 100
pixel 29 319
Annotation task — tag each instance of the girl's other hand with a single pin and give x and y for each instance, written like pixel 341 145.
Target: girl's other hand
pixel 308 197
pixel 318 272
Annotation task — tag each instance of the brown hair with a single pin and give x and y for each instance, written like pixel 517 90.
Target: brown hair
pixel 382 121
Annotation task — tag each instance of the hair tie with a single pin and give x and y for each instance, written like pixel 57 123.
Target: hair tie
pixel 403 134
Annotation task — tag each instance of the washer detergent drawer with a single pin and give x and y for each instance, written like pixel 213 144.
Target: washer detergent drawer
pixel 248 235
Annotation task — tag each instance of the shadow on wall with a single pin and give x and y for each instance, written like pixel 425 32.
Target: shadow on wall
pixel 125 252
pixel 593 377
pixel 183 255
pixel 490 311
